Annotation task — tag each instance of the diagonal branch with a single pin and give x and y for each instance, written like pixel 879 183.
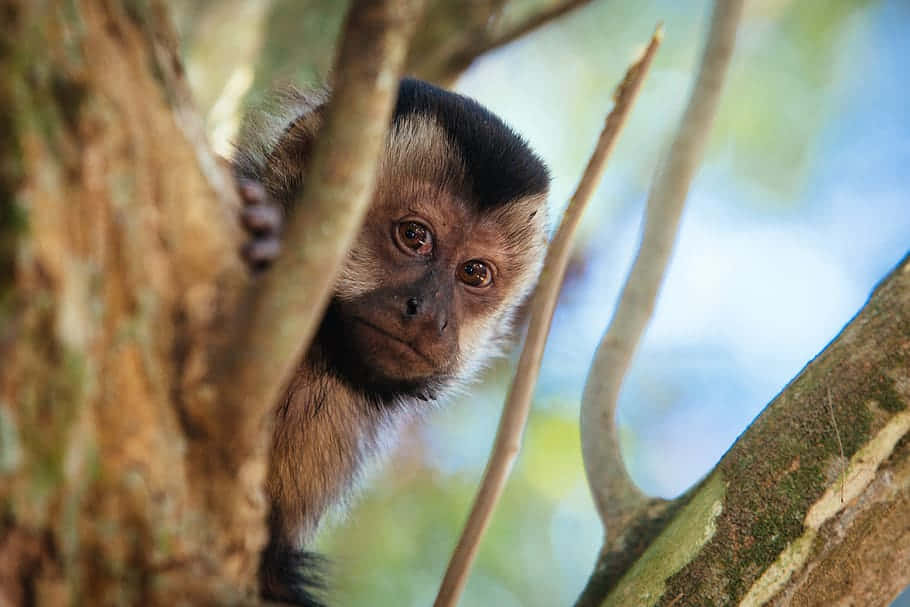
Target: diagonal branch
pixel 518 401
pixel 453 35
pixel 531 23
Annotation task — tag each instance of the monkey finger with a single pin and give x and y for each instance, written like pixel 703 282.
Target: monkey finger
pixel 261 218
pixel 252 192
pixel 260 253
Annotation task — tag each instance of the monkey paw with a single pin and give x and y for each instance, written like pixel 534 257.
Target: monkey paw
pixel 262 218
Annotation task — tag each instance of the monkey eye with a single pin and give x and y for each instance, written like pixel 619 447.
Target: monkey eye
pixel 415 236
pixel 475 273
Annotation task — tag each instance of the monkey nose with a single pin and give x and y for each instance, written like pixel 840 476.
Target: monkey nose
pixel 411 307
pixel 433 314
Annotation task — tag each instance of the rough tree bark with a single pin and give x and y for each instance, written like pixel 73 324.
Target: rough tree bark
pixel 114 289
pixel 132 464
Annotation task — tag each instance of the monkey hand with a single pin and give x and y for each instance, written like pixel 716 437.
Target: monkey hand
pixel 262 218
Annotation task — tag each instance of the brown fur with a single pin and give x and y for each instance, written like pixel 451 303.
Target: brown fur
pixel 323 433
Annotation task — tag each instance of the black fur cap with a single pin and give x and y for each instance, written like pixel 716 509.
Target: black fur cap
pixel 500 163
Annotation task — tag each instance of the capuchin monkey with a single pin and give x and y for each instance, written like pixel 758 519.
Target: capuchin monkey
pixel 452 243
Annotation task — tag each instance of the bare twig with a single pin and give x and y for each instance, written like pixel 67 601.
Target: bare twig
pixel 515 413
pixel 531 23
pixel 453 35
pixel 291 297
pixel 617 498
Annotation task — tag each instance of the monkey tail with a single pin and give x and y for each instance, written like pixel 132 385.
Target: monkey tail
pixel 292 576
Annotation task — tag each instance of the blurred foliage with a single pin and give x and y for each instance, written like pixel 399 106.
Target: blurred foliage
pixel 397 537
pixel 299 46
pixel 786 91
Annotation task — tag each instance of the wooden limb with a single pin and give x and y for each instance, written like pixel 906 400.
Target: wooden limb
pixel 531 23
pixel 288 302
pixel 790 515
pixel 449 37
pixel 619 501
pixel 518 401
pixel 454 35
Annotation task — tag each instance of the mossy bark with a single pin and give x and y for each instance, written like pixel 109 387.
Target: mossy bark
pixel 119 261
pixel 811 505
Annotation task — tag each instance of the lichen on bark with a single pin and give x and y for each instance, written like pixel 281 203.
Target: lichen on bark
pixel 786 475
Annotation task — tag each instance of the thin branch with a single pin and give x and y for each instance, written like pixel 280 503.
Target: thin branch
pixel 290 299
pixel 618 500
pixel 452 36
pixel 531 23
pixel 518 401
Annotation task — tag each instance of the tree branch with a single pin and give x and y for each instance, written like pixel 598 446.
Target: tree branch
pixel 785 518
pixel 518 401
pixel 453 35
pixel 529 24
pixel 619 501
pixel 288 302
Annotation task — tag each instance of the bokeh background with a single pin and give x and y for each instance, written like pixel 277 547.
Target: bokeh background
pixel 799 209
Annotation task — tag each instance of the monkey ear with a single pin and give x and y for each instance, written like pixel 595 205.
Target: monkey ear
pixel 288 159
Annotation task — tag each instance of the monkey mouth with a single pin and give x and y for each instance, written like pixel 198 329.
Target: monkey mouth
pixel 391 336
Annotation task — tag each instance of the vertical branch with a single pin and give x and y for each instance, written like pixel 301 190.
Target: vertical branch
pixel 518 401
pixel 616 496
pixel 289 300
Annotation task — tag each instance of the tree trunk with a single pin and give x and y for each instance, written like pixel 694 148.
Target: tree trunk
pixel 119 262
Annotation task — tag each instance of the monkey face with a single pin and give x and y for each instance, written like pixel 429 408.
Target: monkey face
pixel 428 289
pixel 400 302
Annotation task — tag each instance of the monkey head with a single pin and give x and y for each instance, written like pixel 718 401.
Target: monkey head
pixel 451 245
